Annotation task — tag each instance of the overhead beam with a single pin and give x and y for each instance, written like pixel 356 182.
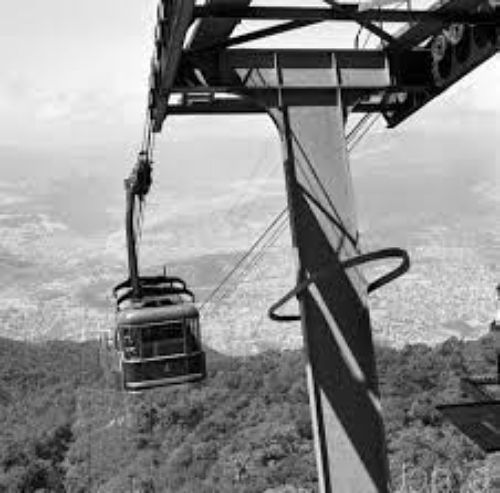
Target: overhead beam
pixel 305 58
pixel 242 106
pixel 327 14
pixel 254 35
pixel 223 107
pixel 361 75
pixel 299 90
pixel 356 67
pixel 273 96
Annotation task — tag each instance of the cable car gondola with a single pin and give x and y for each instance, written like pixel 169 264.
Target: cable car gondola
pixel 157 333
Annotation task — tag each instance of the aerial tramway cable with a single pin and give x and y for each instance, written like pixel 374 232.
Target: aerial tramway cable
pixel 277 226
pixel 357 127
pixel 235 268
pixel 363 132
pixel 247 269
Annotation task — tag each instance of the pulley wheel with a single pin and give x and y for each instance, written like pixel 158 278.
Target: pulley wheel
pixel 454 33
pixel 438 47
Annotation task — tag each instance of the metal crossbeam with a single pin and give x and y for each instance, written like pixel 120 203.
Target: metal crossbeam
pixel 357 67
pixel 239 106
pixel 305 58
pixel 254 35
pixel 327 14
pixel 220 107
pixel 295 95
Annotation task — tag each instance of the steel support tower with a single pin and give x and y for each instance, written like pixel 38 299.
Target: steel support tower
pixel 199 67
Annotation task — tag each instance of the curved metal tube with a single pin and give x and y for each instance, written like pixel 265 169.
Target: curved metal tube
pixel 346 264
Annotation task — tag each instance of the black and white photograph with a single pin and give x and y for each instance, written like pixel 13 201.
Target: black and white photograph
pixel 250 246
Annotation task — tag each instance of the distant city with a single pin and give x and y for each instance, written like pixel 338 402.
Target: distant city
pixel 62 243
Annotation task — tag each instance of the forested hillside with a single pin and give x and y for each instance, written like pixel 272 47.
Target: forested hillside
pixel 246 429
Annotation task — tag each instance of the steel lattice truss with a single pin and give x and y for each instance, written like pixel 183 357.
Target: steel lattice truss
pixel 198 62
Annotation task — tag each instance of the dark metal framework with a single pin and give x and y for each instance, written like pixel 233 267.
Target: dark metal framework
pixel 200 76
pixel 345 14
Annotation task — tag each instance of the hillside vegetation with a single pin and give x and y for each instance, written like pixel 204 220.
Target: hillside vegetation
pixel 246 429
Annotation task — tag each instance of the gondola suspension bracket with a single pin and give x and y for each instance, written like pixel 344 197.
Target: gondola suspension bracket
pixel 157 333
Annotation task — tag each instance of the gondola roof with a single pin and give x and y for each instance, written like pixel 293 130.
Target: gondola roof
pixel 146 315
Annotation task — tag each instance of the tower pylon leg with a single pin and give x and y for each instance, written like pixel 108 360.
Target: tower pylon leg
pixel 340 362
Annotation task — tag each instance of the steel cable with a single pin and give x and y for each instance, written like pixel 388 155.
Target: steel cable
pixel 243 258
pixel 278 225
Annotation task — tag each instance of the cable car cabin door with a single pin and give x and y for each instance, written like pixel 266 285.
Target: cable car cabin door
pixel 160 346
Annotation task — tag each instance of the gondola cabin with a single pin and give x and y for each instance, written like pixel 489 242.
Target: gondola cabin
pixel 158 336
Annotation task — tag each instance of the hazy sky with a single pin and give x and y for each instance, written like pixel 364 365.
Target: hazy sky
pixel 72 70
pixel 73 78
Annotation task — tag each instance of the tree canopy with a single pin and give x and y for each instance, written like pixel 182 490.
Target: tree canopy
pixel 245 429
